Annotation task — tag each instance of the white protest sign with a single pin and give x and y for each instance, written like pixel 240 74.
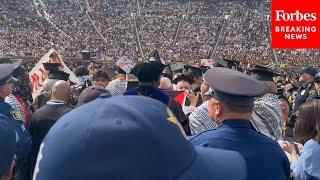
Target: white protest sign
pixel 207 62
pixel 38 74
pixel 177 66
pixel 126 64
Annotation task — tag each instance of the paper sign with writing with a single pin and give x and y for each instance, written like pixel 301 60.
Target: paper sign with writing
pixel 126 64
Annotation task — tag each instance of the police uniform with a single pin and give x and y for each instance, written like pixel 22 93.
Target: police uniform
pixel 314 94
pixel 307 90
pixel 23 138
pixel 264 157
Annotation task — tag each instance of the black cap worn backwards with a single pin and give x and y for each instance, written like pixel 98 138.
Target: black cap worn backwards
pixel 233 87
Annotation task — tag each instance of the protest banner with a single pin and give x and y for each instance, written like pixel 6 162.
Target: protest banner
pixel 38 74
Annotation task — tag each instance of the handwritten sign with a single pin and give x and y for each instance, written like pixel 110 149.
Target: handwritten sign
pixel 207 62
pixel 126 64
pixel 177 66
pixel 38 74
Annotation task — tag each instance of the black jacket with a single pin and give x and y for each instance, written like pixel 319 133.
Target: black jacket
pixel 41 122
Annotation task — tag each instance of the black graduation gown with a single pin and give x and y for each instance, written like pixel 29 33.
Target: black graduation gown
pixel 41 122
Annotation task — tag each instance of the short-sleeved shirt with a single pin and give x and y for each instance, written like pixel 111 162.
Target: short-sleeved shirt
pixel 264 157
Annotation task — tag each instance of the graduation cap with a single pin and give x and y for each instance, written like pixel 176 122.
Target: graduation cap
pixel 221 63
pixel 57 74
pixel 193 70
pixel 155 57
pixel 182 77
pixel 177 67
pixel 263 73
pixel 147 72
pixel 231 63
pixel 51 66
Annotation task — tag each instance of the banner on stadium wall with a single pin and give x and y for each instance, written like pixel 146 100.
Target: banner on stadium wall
pixel 38 74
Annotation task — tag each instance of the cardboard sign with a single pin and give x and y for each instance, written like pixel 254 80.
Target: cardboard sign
pixel 207 62
pixel 177 66
pixel 38 74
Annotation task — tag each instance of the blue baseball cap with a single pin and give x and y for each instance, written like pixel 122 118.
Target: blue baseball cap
pixel 7 144
pixel 129 137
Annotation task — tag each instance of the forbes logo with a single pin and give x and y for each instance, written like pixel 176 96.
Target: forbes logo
pixel 281 15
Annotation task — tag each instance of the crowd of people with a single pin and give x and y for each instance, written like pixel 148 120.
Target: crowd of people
pixel 181 31
pixel 179 112
pixel 228 115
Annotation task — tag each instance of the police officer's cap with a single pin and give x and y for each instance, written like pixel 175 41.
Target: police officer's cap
pixel 6 71
pixel 233 87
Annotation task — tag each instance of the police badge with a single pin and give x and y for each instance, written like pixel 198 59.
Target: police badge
pixel 16 115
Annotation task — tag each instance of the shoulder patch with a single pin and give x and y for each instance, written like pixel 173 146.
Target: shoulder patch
pixel 312 93
pixel 16 115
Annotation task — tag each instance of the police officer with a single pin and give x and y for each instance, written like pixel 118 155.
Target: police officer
pixel 23 138
pixel 231 106
pixel 315 94
pixel 306 79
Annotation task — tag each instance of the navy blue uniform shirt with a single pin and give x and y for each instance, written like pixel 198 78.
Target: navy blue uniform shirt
pixel 264 157
pixel 23 137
